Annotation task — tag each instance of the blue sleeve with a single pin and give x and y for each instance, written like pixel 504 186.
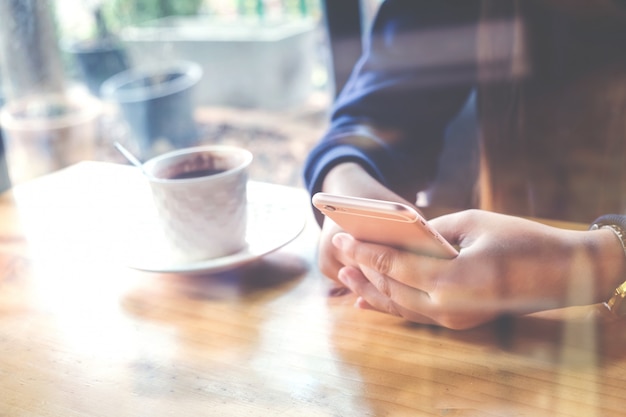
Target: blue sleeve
pixel 416 72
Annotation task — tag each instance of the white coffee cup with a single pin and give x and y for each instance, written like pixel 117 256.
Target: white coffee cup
pixel 200 198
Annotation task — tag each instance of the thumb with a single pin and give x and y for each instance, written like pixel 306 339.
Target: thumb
pixel 450 226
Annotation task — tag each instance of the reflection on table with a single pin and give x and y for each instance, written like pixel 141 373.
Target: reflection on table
pixel 83 334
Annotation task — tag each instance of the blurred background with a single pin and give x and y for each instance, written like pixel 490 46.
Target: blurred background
pixel 155 75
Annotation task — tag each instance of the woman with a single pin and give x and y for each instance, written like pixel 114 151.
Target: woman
pixel 550 81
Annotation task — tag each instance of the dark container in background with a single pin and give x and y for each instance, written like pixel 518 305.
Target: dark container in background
pixel 157 104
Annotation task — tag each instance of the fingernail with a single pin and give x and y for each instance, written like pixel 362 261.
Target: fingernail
pixel 362 304
pixel 342 276
pixel 340 240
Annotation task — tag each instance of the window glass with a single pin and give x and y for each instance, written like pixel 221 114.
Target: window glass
pixel 158 75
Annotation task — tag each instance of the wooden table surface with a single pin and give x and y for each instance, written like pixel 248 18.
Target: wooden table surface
pixel 81 334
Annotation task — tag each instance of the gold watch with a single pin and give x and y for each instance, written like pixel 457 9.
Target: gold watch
pixel 617 224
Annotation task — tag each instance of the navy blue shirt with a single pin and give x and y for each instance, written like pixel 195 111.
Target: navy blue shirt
pixel 412 85
pixel 552 141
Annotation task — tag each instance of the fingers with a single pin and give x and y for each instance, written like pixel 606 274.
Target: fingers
pixel 419 272
pixel 330 260
pixel 359 284
pixel 372 298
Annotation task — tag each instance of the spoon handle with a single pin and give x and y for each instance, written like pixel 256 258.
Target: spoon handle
pixel 128 155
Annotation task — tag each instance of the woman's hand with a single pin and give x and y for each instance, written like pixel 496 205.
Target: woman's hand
pixel 352 180
pixel 506 265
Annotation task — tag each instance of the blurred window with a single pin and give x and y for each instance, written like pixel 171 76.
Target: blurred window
pixel 167 74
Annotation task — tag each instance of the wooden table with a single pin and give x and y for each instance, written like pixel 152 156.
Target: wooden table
pixel 83 335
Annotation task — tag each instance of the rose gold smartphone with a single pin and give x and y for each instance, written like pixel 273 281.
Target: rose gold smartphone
pixel 384 222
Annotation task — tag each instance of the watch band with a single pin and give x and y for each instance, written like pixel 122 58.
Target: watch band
pixel 617 224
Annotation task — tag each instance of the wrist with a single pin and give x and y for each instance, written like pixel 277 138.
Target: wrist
pixel 347 178
pixel 611 263
pixel 352 179
pixel 616 224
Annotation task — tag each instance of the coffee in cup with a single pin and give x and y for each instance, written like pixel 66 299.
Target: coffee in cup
pixel 200 198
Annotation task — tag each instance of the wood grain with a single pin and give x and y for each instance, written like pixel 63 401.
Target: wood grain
pixel 83 335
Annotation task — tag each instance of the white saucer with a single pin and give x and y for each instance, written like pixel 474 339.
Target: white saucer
pixel 276 215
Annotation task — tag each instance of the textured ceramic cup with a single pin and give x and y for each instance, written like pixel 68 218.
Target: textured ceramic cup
pixel 200 197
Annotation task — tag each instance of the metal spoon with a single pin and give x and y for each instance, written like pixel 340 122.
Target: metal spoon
pixel 131 158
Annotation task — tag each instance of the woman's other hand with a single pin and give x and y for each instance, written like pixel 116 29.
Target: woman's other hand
pixel 352 180
pixel 506 265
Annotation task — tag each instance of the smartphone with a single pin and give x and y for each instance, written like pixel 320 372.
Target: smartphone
pixel 384 222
